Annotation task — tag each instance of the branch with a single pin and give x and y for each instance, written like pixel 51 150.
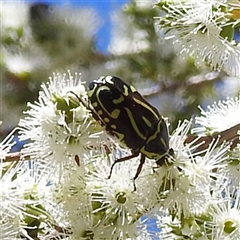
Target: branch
pixel 230 135
pixel 194 82
pixel 16 156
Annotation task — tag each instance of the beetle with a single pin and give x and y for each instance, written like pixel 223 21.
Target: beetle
pixel 125 114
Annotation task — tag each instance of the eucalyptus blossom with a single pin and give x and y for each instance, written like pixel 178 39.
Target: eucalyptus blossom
pixel 204 30
pixel 71 156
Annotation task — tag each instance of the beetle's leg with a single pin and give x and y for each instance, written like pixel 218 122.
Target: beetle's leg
pixel 139 169
pixel 79 99
pixel 135 154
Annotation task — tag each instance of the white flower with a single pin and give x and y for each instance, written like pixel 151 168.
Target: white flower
pixel 85 20
pixel 203 30
pixel 89 204
pixel 189 178
pixel 232 170
pixel 13 202
pixel 165 222
pixel 22 63
pixel 126 38
pixel 9 227
pixel 225 214
pixel 6 145
pixel 218 117
pixel 144 4
pixel 17 184
pixel 195 182
pixel 13 14
pixel 114 202
pixel 71 205
pixel 203 168
pixel 58 126
pixel 176 229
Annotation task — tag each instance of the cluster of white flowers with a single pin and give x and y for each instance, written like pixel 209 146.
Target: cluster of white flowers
pixel 61 189
pixel 204 29
pixel 219 117
pixel 64 191
pixel 77 25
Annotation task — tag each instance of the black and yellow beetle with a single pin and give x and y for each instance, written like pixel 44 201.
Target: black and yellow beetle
pixel 125 114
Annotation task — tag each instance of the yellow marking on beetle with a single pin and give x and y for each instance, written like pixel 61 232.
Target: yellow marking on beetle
pixel 120 136
pixel 115 113
pixel 135 127
pixel 100 112
pixel 91 92
pixel 150 155
pixel 133 89
pixel 119 100
pixel 125 90
pixel 113 126
pixel 147 121
pixel 163 141
pixel 154 136
pixel 106 120
pixel 146 106
pixel 108 79
pixel 94 104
